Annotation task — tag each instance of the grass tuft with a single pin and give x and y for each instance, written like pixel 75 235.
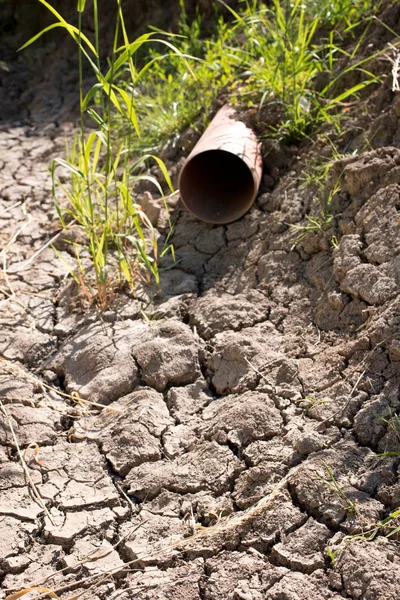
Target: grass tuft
pixel 281 56
pixel 99 196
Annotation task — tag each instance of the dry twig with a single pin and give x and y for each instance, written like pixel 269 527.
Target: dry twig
pixel 35 492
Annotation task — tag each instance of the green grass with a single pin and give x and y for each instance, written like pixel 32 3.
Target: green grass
pixel 320 222
pixel 346 503
pixel 393 426
pixel 280 56
pixel 170 98
pixel 289 62
pixel 387 527
pixel 122 244
pixel 342 14
pixel 315 179
pixel 309 402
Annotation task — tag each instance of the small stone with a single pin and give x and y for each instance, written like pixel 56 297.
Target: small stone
pixel 150 207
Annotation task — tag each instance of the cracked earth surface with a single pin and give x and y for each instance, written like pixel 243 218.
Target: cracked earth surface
pixel 266 367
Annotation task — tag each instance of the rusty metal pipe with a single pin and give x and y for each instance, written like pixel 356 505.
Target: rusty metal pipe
pixel 222 174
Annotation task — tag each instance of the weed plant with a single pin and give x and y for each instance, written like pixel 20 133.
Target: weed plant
pixel 344 14
pixel 320 222
pixel 387 527
pixel 121 243
pixel 393 426
pixel 346 503
pixel 169 98
pixel 289 64
pixel 309 402
pixel 282 55
pixel 315 179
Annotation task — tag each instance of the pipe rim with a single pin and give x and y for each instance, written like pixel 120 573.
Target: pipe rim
pixel 246 205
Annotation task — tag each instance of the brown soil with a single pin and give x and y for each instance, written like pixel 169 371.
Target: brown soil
pixel 266 367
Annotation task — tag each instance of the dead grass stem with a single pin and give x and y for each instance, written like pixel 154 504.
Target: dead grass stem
pixel 25 467
pixel 168 547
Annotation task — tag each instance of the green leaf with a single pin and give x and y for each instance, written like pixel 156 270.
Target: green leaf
pixel 67 266
pixel 351 91
pixel 164 171
pixel 70 167
pixel 72 30
pixel 98 119
pixel 99 254
pixel 130 113
pixel 38 35
pixel 396 530
pixel 127 53
pixel 390 517
pixel 123 263
pixel 91 93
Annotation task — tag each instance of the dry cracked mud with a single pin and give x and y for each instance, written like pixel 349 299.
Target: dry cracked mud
pixel 238 455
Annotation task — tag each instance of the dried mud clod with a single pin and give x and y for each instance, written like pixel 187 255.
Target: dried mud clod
pixel 243 442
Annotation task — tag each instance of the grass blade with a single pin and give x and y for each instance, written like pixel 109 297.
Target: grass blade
pixel 73 31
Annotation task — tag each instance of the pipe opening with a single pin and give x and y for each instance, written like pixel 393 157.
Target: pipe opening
pixel 217 186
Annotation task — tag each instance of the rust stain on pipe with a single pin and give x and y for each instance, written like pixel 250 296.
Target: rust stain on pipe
pixel 222 174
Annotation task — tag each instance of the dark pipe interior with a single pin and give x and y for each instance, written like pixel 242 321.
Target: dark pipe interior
pixel 217 186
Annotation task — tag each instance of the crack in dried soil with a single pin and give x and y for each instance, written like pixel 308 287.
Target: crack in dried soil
pixel 211 436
